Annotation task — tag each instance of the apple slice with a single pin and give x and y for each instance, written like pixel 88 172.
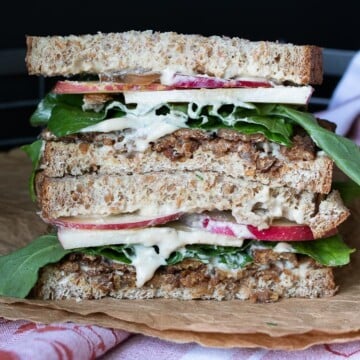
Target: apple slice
pixel 283 231
pixel 225 224
pixel 177 81
pixel 113 222
pixel 286 231
pixel 180 81
pixel 92 87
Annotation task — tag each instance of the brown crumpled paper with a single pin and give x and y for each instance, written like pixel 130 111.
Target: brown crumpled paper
pixel 288 324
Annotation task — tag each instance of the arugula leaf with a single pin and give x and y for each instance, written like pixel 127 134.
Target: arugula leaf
pixel 120 253
pixel 44 109
pixel 42 114
pixel 344 152
pixel 19 269
pixel 257 119
pixel 68 119
pixel 232 257
pixel 63 114
pixel 331 251
pixel 273 128
pixel 34 152
pixel 274 124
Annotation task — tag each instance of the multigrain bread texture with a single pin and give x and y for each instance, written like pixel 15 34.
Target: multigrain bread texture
pixel 251 203
pixel 272 276
pixel 149 51
pixel 227 152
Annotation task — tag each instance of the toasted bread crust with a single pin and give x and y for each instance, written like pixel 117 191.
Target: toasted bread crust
pixel 222 57
pixel 250 202
pixel 271 277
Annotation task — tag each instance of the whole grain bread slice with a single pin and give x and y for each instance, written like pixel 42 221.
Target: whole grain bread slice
pixel 245 161
pixel 271 277
pixel 250 202
pixel 150 51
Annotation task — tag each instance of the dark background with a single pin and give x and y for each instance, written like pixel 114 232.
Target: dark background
pixel 328 24
pixel 301 22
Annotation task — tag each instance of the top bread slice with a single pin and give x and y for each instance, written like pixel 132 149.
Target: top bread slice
pixel 149 51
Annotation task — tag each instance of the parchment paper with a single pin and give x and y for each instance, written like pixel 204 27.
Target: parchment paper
pixel 288 324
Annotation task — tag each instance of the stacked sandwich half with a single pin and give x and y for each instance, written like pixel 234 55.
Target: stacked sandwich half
pixel 183 166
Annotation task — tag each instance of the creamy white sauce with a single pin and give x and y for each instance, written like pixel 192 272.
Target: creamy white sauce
pixel 264 207
pixel 270 148
pixel 303 269
pixel 283 247
pixel 146 128
pixel 321 154
pixel 167 76
pixel 146 261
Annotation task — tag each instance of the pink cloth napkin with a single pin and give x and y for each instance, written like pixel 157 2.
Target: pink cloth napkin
pixel 344 106
pixel 23 340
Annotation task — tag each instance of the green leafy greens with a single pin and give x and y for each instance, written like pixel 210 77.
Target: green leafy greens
pixel 331 251
pixel 231 257
pixel 34 152
pixel 344 152
pixel 19 269
pixel 121 253
pixel 257 119
pixel 63 114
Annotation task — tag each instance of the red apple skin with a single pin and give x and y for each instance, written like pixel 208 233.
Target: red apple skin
pixel 73 223
pixel 273 233
pixel 198 82
pixel 180 82
pixel 222 230
pixel 283 233
pixel 277 232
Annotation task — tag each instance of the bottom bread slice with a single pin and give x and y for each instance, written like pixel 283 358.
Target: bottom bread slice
pixel 270 277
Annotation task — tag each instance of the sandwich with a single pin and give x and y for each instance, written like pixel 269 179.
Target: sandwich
pixel 182 166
